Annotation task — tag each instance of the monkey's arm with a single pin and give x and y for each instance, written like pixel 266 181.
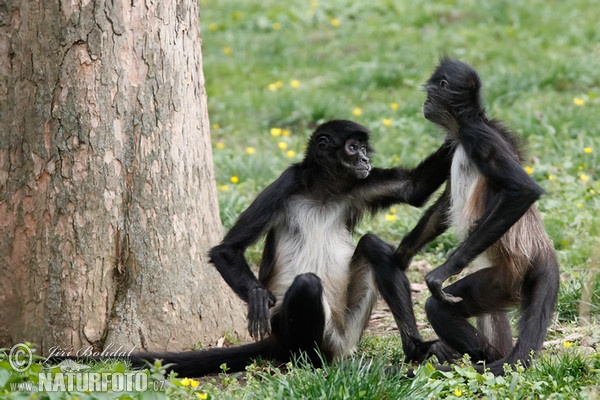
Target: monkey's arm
pixel 385 187
pixel 433 223
pixel 515 192
pixel 228 257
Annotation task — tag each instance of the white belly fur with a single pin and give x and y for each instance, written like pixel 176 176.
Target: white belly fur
pixel 464 177
pixel 316 241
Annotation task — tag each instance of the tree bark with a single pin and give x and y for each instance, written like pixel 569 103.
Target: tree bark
pixel 107 193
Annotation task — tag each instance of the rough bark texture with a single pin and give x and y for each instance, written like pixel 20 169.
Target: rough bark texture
pixel 107 194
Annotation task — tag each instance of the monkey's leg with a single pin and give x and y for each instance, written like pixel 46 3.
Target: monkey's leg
pixel 481 293
pixel 394 286
pixel 496 327
pixel 361 297
pixel 300 323
pixel 540 291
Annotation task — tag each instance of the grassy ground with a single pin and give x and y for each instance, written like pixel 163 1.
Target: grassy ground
pixel 274 70
pixel 274 67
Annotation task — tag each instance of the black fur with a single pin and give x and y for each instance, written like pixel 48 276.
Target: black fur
pixel 508 193
pixel 335 173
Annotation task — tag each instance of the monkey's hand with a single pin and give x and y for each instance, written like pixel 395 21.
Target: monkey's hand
pixel 259 302
pixel 434 283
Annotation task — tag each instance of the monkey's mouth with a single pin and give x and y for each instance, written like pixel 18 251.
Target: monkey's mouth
pixel 362 173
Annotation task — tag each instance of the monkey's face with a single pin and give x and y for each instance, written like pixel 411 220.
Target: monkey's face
pixel 354 157
pixel 453 93
pixel 437 108
pixel 341 150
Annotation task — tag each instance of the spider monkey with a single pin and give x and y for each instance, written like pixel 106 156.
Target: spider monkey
pixel 489 200
pixel 315 292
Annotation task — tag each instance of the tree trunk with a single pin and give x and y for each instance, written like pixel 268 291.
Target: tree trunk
pixel 107 194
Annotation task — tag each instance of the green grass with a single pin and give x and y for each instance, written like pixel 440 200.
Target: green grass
pixel 540 64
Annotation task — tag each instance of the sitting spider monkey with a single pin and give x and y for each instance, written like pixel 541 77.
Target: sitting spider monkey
pixel 315 291
pixel 489 200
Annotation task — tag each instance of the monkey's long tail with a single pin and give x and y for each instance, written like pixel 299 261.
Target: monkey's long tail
pixel 203 362
pixel 192 364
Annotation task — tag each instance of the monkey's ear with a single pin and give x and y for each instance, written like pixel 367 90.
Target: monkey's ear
pixel 323 142
pixel 444 83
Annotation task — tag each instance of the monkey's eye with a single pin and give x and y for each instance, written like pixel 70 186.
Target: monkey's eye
pixel 444 83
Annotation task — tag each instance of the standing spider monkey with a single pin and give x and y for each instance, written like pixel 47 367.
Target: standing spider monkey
pixel 314 290
pixel 489 200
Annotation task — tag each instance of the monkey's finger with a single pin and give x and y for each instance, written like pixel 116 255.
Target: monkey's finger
pixel 437 292
pixel 253 322
pixel 265 328
pixel 265 323
pixel 272 300
pixel 448 298
pixel 264 319
pixel 253 329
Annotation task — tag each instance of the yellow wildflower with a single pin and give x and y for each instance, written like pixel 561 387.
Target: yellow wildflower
pixel 227 51
pixel 235 179
pixel 220 145
pixel 282 145
pixel 335 22
pixel 295 83
pixel 392 210
pixel 529 170
pixel 223 188
pixel 212 27
pixel 194 383
pixel 588 150
pixel 279 84
pixel 314 3
pixel 250 150
pixel 394 106
pixel 457 392
pixel 579 205
pixel 578 101
pixel 276 26
pixel 202 396
pixel 276 132
pixel 391 217
pixel 567 344
pixel 216 127
pixel 290 153
pixel 186 381
pixel 272 87
pixel 584 177
pixel 551 178
pixel 285 132
pixel 387 122
pixel 357 112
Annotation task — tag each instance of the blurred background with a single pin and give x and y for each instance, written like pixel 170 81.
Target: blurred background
pixel 274 70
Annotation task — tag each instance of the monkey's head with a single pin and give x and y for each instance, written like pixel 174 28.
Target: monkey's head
pixel 453 94
pixel 340 149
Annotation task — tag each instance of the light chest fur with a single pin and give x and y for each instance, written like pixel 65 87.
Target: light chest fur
pixel 464 180
pixel 517 247
pixel 313 237
pixel 468 189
